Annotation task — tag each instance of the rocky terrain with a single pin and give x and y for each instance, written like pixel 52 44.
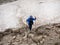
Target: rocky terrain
pixel 48 34
pixel 6 1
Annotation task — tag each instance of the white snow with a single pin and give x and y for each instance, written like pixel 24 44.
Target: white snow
pixel 45 12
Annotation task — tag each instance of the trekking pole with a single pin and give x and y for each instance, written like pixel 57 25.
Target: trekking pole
pixel 35 23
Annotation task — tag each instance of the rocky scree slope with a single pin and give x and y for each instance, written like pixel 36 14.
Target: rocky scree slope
pixel 44 35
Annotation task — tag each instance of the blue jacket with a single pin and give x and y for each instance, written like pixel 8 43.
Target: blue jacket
pixel 30 19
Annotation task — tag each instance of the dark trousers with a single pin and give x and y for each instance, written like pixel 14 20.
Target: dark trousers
pixel 30 26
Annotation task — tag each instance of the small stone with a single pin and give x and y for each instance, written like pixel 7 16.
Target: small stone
pixel 45 36
pixel 43 39
pixel 41 42
pixel 17 40
pixel 14 37
pixel 30 35
pixel 1 43
pixel 57 43
pixel 51 38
